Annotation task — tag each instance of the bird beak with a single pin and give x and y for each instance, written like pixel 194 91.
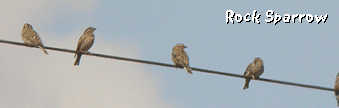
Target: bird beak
pixel 94 28
pixel 185 46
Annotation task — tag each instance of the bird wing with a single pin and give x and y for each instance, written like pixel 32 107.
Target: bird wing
pixel 175 58
pixel 183 58
pixel 81 41
pixel 248 69
pixel 36 39
pixel 32 38
pixel 258 68
pixel 87 43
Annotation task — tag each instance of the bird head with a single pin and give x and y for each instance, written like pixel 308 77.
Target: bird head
pixel 90 30
pixel 181 46
pixel 26 25
pixel 257 59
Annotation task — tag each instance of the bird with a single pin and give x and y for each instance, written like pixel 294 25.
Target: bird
pixel 336 89
pixel 84 44
pixel 253 71
pixel 31 37
pixel 180 57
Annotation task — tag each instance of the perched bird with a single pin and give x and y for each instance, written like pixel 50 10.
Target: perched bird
pixel 180 58
pixel 253 71
pixel 84 44
pixel 336 89
pixel 31 38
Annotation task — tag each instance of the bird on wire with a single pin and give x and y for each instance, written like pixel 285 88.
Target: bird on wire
pixel 253 71
pixel 180 57
pixel 31 37
pixel 85 42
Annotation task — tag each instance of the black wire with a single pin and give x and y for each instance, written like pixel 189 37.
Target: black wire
pixel 173 66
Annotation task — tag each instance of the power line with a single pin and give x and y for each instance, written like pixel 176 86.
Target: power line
pixel 171 65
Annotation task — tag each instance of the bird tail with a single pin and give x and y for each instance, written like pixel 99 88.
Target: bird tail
pixel 77 61
pixel 188 69
pixel 247 82
pixel 43 49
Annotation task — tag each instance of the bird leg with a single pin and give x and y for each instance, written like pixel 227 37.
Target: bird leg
pixel 83 52
pixel 88 53
pixel 176 66
pixel 28 45
pixel 255 77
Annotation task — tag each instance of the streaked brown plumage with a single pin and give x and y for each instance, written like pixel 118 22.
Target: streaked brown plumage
pixel 31 38
pixel 253 71
pixel 336 89
pixel 84 44
pixel 180 58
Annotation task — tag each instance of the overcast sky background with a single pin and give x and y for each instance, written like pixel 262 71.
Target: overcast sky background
pixel 305 53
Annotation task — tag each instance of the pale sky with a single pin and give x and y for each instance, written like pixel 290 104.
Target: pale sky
pixel 296 52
